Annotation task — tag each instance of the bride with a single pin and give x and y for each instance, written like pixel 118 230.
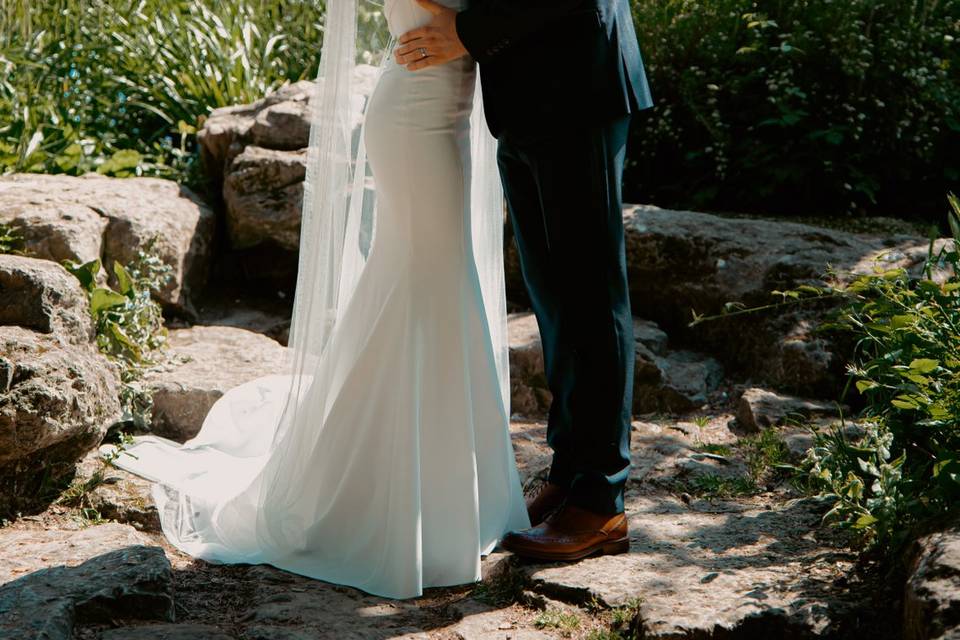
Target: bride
pixel 381 457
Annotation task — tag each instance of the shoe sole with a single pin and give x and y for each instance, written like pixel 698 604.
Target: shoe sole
pixel 614 547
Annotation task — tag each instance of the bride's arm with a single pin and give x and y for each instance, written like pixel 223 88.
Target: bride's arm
pixel 488 27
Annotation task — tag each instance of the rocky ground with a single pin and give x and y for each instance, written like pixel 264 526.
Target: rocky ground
pixel 700 566
pixel 722 546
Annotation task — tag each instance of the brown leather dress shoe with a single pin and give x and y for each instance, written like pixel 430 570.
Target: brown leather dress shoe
pixel 548 499
pixel 571 533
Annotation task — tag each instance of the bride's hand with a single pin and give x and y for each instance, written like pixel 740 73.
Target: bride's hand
pixel 436 43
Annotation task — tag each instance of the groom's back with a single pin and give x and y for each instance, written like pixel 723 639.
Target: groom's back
pixel 579 62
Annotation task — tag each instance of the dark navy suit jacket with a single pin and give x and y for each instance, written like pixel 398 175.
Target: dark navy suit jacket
pixel 544 63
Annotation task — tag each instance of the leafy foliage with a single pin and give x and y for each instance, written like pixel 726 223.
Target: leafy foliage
pixel 129 323
pixel 903 471
pixel 798 107
pixel 10 239
pixel 121 86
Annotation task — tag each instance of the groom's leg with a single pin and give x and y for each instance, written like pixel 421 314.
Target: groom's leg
pixel 539 270
pixel 577 279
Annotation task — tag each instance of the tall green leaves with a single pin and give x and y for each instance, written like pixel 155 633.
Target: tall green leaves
pixel 120 86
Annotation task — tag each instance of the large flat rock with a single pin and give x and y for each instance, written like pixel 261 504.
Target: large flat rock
pixel 50 580
pixel 94 216
pixel 704 569
pixel 205 361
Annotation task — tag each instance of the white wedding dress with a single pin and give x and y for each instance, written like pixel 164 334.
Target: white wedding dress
pixel 397 470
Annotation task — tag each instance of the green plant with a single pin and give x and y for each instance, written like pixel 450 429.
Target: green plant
pixel 122 86
pixel 563 621
pixel 904 471
pixel 717 486
pixel 10 239
pixel 129 323
pixel 624 622
pixel 755 101
pixel 765 454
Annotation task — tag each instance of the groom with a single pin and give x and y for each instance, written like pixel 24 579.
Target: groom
pixel 560 81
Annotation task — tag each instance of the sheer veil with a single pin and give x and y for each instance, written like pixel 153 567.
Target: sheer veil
pixel 339 200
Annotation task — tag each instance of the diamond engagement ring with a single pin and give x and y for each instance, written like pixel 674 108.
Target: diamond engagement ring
pixel 423 52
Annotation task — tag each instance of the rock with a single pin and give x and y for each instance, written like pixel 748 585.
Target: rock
pixel 43 296
pixel 932 595
pixel 680 261
pixel 263 193
pixel 711 571
pixel 54 579
pixel 60 401
pixel 650 335
pixel 55 230
pixel 285 125
pixel 675 382
pixel 258 152
pixel 760 409
pixel 170 632
pixel 205 361
pixel 121 496
pixel 529 394
pixel 280 120
pixel 58 394
pixel 92 216
pixel 483 622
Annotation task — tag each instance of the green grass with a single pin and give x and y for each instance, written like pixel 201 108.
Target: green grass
pixel 563 621
pixel 763 452
pixel 715 449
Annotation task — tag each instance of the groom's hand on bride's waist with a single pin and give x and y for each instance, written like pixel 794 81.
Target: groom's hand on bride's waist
pixel 436 43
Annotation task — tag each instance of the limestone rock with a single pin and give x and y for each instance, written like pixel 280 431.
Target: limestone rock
pixel 680 261
pixel 205 362
pixel 263 192
pixel 93 216
pixel 529 395
pixel 711 570
pixel 168 632
pixel 674 382
pixel 43 296
pixel 58 403
pixel 50 580
pixel 932 598
pixel 121 496
pixel 280 120
pixel 760 409
pixel 55 230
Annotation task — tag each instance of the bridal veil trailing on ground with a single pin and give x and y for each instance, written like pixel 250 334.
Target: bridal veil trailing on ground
pixel 380 457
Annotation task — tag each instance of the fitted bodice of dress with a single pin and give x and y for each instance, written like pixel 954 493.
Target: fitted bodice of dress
pixel 404 15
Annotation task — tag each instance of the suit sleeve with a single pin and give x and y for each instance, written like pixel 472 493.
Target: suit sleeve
pixel 488 27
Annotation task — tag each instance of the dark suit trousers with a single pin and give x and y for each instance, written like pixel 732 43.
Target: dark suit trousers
pixel 564 198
